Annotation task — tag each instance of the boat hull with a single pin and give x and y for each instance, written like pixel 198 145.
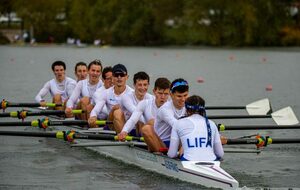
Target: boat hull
pixel 208 174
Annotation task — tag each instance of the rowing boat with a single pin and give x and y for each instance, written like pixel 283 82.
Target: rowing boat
pixel 205 173
pixel 208 174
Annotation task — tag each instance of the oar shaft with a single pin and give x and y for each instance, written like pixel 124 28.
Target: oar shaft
pixel 5 115
pixel 5 104
pixel 76 122
pixel 239 116
pixel 11 104
pixel 45 112
pixel 16 123
pixel 28 134
pixel 225 107
pixel 256 127
pixel 60 135
pixel 255 141
pixel 36 123
pixel 24 113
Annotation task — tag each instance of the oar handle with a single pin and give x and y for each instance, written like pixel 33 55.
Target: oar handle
pixel 44 123
pixel 67 135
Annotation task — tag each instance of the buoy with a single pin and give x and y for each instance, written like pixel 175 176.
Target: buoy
pixel 231 57
pixel 264 59
pixel 269 87
pixel 200 79
pixel 154 54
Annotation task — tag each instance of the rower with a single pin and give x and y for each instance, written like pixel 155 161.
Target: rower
pixel 60 88
pixel 107 83
pixel 111 98
pixel 198 136
pixel 81 71
pixel 107 77
pixel 129 102
pixel 84 91
pixel 158 137
pixel 147 108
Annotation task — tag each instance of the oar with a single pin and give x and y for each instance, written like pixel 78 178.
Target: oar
pixel 239 116
pixel 68 135
pixel 24 113
pixel 44 123
pixel 260 107
pixel 223 127
pixel 267 142
pixel 142 144
pixel 117 143
pixel 284 116
pixel 4 104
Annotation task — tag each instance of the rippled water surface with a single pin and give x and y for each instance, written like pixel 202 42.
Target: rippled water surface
pixel 231 77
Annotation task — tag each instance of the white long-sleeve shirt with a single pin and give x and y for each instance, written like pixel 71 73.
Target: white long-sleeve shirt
pixel 64 88
pixel 192 133
pixel 108 98
pixel 146 109
pixel 83 89
pixel 166 117
pixel 129 103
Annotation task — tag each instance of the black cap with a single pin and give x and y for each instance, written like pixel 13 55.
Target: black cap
pixel 119 68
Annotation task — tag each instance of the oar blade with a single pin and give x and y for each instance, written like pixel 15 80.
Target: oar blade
pixel 260 107
pixel 285 116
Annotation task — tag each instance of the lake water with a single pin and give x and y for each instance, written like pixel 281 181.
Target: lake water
pixel 231 77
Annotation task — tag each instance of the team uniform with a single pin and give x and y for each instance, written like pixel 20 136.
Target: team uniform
pixel 83 89
pixel 108 98
pixel 64 88
pixel 192 132
pixel 96 97
pixel 166 117
pixel 129 102
pixel 145 111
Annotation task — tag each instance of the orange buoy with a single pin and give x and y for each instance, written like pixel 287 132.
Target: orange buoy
pixel 200 79
pixel 231 57
pixel 264 59
pixel 269 87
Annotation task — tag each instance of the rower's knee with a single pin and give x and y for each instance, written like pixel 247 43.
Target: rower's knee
pixel 147 130
pixel 118 114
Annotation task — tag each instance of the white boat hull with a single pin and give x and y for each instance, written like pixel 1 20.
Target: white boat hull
pixel 208 174
pixel 205 173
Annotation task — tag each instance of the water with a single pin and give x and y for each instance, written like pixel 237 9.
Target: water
pixel 231 77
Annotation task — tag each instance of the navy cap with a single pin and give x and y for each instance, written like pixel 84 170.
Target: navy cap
pixel 119 68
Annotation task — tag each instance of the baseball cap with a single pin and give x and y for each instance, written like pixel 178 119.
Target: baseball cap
pixel 119 68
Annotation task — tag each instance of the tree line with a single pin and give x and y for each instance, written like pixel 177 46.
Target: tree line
pixel 161 22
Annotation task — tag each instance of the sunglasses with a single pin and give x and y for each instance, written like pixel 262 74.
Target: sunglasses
pixel 119 75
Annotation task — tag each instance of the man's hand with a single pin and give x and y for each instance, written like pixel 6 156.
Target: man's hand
pixel 68 112
pixel 223 139
pixel 92 121
pixel 122 135
pixel 43 103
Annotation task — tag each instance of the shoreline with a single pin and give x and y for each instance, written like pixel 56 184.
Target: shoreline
pixel 273 48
